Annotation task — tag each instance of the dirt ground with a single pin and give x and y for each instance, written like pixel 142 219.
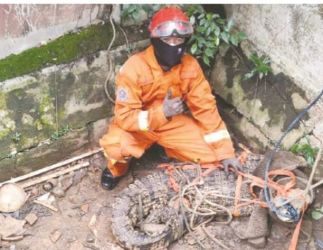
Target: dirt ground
pixel 84 216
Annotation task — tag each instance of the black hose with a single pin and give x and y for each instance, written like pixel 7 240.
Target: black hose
pixel 276 149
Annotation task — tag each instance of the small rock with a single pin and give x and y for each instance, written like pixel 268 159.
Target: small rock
pixel 47 186
pixel 258 242
pixel 191 241
pixel 257 224
pixel 67 181
pixel 79 176
pixel 58 192
pixel 85 208
pixel 90 238
pixel 11 226
pixel 53 181
pixel 73 199
pixel 76 245
pixel 31 218
pixel 92 225
pixel 34 191
pixel 55 235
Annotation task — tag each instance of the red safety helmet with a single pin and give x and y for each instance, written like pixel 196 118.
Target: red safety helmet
pixel 170 21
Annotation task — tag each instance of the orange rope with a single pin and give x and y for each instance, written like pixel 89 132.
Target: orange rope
pixel 294 240
pixel 281 190
pixel 236 211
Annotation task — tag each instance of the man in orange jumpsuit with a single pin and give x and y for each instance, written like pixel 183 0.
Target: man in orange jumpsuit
pixel 153 89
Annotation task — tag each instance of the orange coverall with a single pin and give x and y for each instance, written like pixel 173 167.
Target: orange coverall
pixel 139 121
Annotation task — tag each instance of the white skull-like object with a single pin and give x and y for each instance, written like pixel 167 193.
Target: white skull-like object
pixel 12 197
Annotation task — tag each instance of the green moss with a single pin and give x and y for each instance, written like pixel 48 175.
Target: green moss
pixel 3 103
pixel 62 50
pixel 45 104
pixel 4 133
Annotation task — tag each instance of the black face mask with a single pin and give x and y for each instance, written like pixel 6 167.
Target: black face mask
pixel 167 55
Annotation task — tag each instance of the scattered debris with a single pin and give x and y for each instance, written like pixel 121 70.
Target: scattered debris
pixel 92 226
pixel 76 245
pixel 45 204
pixel 79 175
pixel 55 235
pixel 90 238
pixel 85 208
pixel 88 227
pixel 46 200
pixel 31 218
pixel 55 174
pixel 11 228
pixel 48 186
pixel 52 167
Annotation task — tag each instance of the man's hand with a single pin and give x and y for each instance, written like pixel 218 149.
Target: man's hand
pixel 172 106
pixel 234 163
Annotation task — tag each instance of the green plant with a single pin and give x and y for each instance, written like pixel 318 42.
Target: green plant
pixel 16 137
pixel 8 155
pixel 306 150
pixel 59 133
pixel 317 213
pixel 132 11
pixel 261 66
pixel 210 30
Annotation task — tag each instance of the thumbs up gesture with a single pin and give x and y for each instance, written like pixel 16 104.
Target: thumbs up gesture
pixel 172 106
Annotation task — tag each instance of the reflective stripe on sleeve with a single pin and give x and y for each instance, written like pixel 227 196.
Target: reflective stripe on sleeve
pixel 143 120
pixel 217 136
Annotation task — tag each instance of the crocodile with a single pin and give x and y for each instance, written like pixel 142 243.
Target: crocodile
pixel 150 214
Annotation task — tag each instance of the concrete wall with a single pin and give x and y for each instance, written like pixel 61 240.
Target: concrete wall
pixel 59 107
pixel 70 92
pixel 292 37
pixel 24 26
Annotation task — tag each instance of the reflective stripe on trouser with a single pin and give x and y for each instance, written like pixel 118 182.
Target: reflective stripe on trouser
pixel 181 137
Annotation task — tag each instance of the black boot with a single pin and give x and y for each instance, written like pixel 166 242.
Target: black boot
pixel 108 181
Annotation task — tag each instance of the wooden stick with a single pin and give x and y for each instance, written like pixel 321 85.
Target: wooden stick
pixel 309 183
pixel 13 238
pixel 316 184
pixel 53 175
pixel 43 203
pixel 51 167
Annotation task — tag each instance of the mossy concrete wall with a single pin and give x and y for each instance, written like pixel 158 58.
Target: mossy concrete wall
pixel 266 106
pixel 24 26
pixel 53 105
pixel 291 36
pixel 55 109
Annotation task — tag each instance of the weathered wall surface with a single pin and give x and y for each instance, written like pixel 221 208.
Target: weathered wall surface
pixel 69 97
pixel 52 97
pixel 24 26
pixel 52 100
pixel 292 37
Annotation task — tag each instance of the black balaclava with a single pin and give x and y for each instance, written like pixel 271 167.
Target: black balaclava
pixel 167 55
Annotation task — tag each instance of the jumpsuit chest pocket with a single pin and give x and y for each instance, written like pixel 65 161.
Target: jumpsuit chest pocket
pixel 147 87
pixel 156 89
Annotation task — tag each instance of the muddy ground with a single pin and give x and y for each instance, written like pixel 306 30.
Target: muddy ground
pixel 84 216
